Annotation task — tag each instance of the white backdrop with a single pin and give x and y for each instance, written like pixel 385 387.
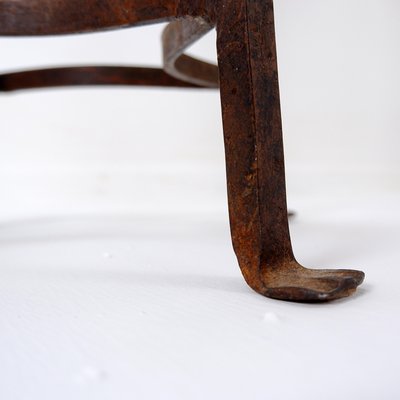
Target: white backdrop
pixel 137 150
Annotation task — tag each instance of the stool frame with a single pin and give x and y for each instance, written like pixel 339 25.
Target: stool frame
pixel 247 77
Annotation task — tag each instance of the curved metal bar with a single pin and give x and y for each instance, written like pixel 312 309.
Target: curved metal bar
pixel 84 76
pixel 52 17
pixel 177 37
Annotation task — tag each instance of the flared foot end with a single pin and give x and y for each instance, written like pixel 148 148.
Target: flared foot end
pixel 296 283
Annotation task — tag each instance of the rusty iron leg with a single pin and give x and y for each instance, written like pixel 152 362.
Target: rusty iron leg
pixel 255 160
pixel 247 75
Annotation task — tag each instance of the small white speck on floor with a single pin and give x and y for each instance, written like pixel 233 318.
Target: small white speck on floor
pixel 108 255
pixel 90 374
pixel 271 317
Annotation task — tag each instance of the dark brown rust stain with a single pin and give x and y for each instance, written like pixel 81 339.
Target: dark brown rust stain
pixel 87 76
pixel 247 75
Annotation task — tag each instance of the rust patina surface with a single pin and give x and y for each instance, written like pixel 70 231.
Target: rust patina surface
pixel 247 76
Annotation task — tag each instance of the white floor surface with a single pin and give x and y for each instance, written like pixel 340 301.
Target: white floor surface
pixel 122 307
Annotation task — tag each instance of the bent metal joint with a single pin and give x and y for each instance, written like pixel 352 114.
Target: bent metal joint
pixel 247 77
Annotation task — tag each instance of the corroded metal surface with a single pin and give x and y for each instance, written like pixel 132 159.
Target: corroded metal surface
pixel 176 38
pixel 87 76
pixel 247 75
